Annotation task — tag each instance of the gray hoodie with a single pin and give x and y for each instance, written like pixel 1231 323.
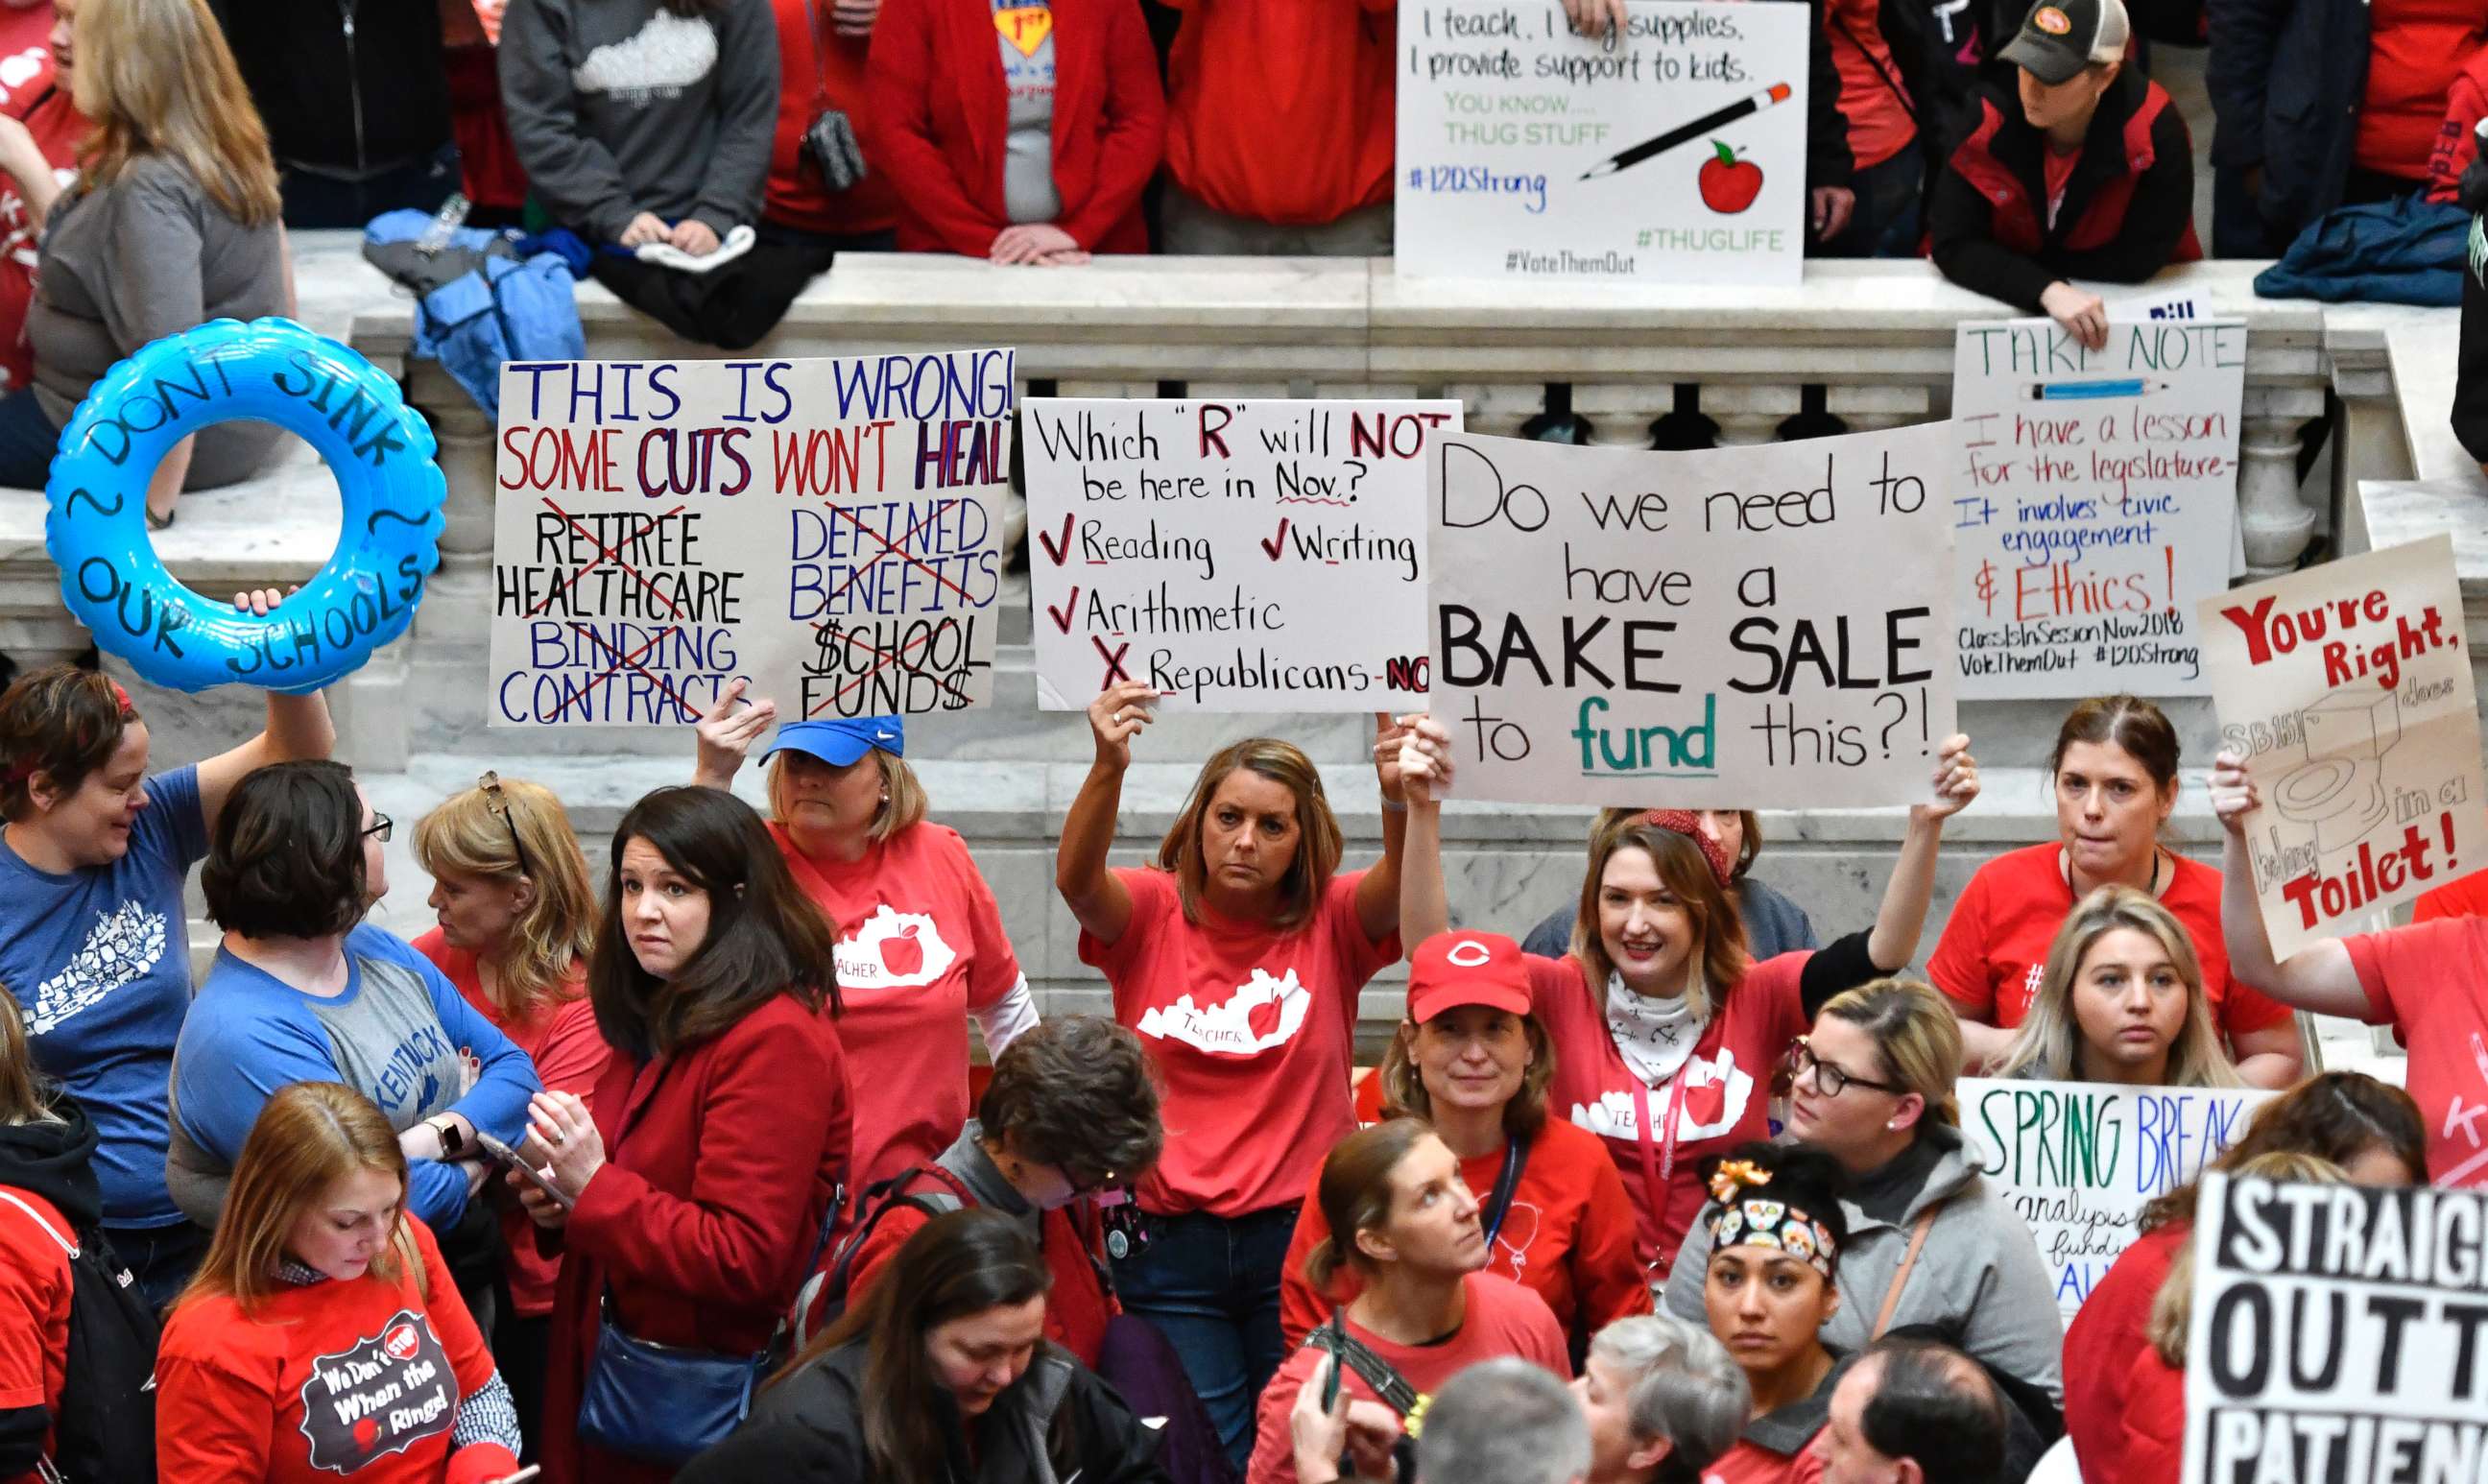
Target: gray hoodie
pixel 1979 1281
pixel 623 107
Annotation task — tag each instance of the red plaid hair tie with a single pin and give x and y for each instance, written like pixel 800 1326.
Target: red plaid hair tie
pixel 1688 824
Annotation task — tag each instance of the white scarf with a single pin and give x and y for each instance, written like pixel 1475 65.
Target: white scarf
pixel 1654 1035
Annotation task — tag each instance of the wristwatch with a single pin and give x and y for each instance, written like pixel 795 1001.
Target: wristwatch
pixel 453 1142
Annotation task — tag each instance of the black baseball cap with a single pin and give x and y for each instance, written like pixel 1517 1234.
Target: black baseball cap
pixel 2059 37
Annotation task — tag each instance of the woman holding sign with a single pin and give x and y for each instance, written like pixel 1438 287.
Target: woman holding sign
pixel 2122 1001
pixel 1237 957
pixel 2428 980
pixel 920 944
pixel 1665 1030
pixel 2114 768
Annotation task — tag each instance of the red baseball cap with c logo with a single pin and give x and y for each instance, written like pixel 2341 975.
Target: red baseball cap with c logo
pixel 1460 967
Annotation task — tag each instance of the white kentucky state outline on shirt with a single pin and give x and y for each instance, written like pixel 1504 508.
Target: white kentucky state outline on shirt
pixel 893 950
pixel 124 944
pixel 1278 1005
pixel 669 53
pixel 1613 1115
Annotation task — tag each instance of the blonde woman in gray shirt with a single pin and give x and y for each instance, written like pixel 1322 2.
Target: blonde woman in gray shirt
pixel 171 222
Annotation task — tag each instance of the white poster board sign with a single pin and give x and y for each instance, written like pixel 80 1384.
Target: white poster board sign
pixel 828 529
pixel 2079 1160
pixel 2347 688
pixel 2336 1334
pixel 1676 155
pixel 2095 503
pixel 1258 555
pixel 1701 630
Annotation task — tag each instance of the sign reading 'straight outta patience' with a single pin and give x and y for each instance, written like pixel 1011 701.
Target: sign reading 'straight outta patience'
pixel 1696 629
pixel 1676 154
pixel 827 530
pixel 1258 556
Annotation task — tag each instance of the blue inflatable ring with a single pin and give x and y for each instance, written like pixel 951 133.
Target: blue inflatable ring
pixel 273 371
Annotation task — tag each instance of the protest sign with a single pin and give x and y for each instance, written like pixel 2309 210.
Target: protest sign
pixel 828 529
pixel 1706 629
pixel 2079 1160
pixel 2347 689
pixel 1675 156
pixel 2094 504
pixel 1263 555
pixel 2336 1334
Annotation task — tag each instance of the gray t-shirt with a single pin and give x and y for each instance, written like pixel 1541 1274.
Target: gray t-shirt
pixel 1025 36
pixel 148 256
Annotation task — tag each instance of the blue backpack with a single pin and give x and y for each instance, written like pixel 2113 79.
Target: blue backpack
pixel 477 300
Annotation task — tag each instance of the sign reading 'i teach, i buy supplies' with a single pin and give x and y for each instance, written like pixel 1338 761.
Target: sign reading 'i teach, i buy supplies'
pixel 1674 155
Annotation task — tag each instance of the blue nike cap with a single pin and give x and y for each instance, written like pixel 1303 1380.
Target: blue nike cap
pixel 841 742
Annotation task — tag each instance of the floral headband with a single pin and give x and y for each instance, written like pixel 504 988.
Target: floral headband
pixel 1686 822
pixel 1747 1220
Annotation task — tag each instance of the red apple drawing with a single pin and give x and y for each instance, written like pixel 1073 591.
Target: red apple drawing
pixel 367 1433
pixel 900 953
pixel 1262 1019
pixel 1705 1102
pixel 1728 185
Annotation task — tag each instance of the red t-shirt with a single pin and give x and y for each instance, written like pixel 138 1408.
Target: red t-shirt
pixel 1076 1308
pixel 1872 95
pixel 1282 110
pixel 795 195
pixel 2460 896
pixel 1750 1463
pixel 1994 946
pixel 1253 1033
pixel 569 1052
pixel 360 1380
pixel 2415 50
pixel 35 1286
pixel 2429 982
pixel 2056 170
pixel 1503 1318
pixel 1726 1086
pixel 920 943
pixel 2101 1347
pixel 30 92
pixel 1568 1237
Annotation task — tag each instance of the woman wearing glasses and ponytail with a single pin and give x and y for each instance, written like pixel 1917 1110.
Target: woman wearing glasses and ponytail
pixel 514 920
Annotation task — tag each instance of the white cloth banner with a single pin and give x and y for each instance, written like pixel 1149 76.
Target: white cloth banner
pixel 1698 629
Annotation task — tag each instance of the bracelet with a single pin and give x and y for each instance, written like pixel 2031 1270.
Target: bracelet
pixel 1395 805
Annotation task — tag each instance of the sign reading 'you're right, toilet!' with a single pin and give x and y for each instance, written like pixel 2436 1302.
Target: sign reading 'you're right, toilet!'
pixel 2347 688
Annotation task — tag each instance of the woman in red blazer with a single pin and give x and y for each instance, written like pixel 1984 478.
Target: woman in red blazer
pixel 1020 130
pixel 703 1163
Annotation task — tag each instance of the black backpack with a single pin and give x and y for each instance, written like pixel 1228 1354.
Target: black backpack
pixel 105 1432
pixel 828 1289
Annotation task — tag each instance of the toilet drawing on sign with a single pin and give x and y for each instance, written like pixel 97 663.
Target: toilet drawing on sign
pixel 2339 790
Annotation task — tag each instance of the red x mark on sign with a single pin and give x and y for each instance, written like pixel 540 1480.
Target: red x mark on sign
pixel 604 555
pixel 1114 669
pixel 899 549
pixel 622 661
pixel 884 662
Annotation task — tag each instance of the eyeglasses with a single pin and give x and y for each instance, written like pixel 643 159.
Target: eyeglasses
pixel 1087 1185
pixel 498 804
pixel 1832 1079
pixel 381 827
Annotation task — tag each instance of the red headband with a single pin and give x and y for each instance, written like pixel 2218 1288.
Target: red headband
pixel 1688 824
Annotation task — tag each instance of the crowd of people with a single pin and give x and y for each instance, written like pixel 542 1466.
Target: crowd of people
pixel 686 1180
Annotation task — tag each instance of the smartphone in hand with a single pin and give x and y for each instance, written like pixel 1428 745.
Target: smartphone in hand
pixel 508 1159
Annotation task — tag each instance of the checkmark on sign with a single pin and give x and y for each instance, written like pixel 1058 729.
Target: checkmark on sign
pixel 1054 548
pixel 1061 616
pixel 1278 544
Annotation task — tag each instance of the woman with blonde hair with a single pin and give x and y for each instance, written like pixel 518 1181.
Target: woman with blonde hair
pixel 2121 1000
pixel 1930 1242
pixel 920 946
pixel 516 919
pixel 1237 957
pixel 171 222
pixel 323 1335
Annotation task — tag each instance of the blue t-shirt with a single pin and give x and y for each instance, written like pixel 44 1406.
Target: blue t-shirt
pixel 396 1035
pixel 99 962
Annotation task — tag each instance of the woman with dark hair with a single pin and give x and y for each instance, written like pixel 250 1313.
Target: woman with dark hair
pixel 944 1375
pixel 1401 1215
pixel 304 990
pixel 2114 771
pixel 1071 1110
pixel 1666 1029
pixel 1237 957
pixel 323 1336
pixel 1774 924
pixel 1472 1061
pixel 697 1179
pixel 645 126
pixel 1770 1285
pixel 94 934
pixel 2124 1400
